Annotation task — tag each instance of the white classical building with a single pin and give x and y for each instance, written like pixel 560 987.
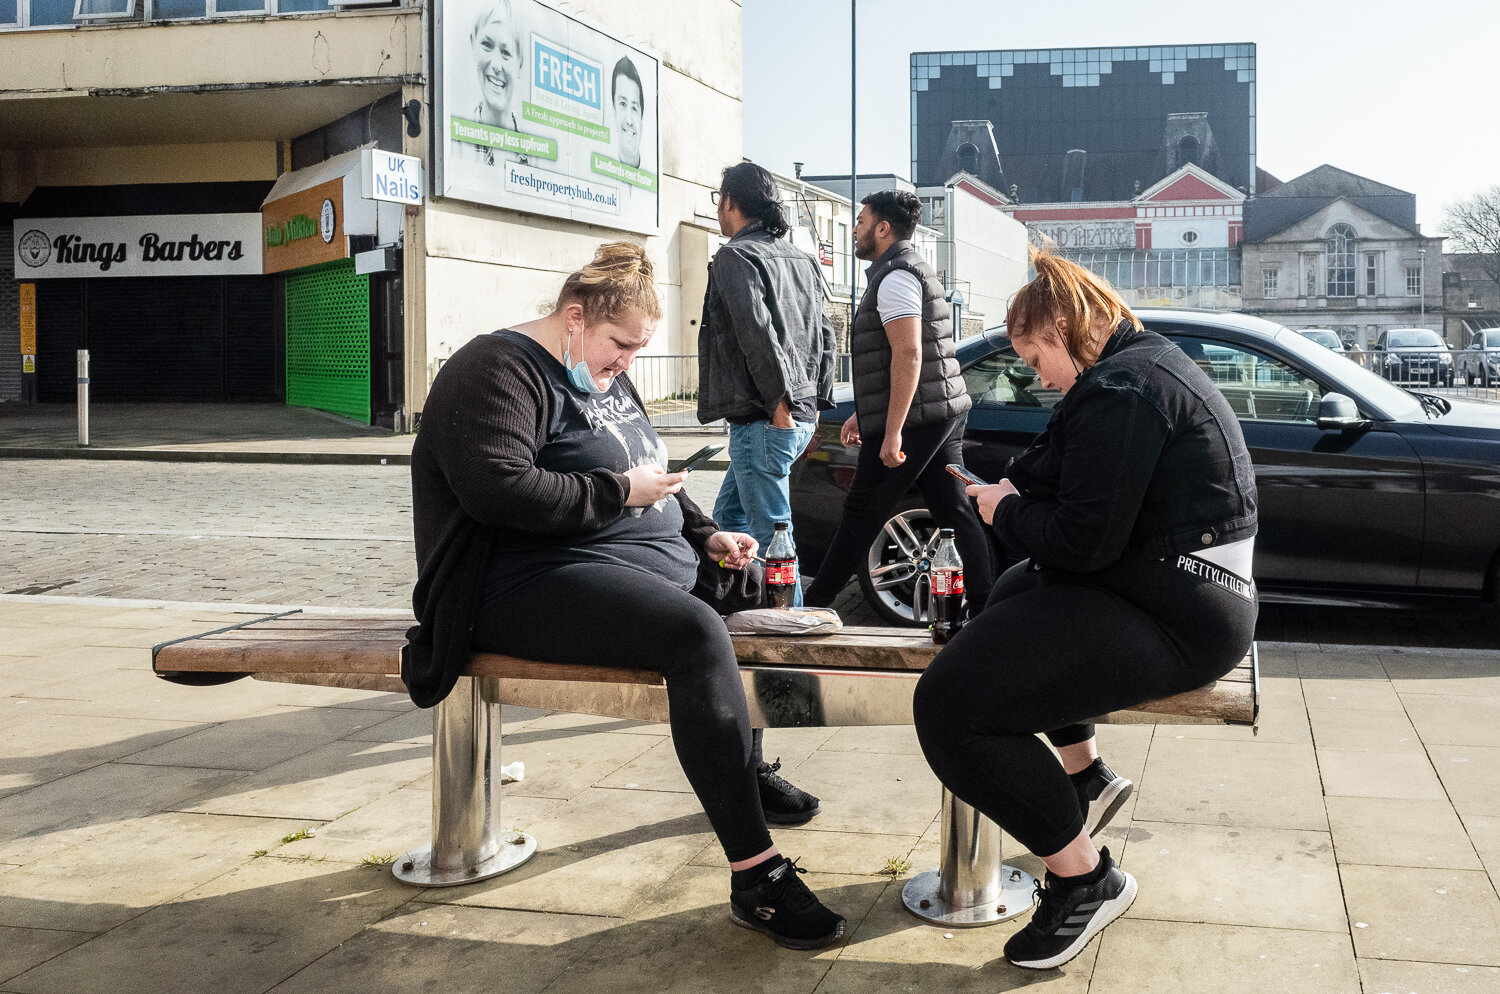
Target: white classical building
pixel 1331 249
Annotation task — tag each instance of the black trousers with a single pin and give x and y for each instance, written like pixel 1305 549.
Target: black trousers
pixel 1045 656
pixel 876 492
pixel 596 614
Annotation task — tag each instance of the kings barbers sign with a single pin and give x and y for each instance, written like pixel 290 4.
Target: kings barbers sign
pixel 148 245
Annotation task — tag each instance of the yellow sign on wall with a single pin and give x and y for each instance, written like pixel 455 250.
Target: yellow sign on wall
pixel 28 321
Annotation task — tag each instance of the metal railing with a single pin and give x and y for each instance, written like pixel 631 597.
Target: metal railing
pixel 668 384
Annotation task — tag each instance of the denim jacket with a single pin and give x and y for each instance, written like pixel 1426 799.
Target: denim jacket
pixel 764 334
pixel 1142 458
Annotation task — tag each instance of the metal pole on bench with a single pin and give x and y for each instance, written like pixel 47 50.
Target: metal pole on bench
pixel 972 885
pixel 466 795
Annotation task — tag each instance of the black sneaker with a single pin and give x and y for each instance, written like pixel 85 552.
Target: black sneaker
pixel 780 905
pixel 1101 796
pixel 1068 917
pixel 783 803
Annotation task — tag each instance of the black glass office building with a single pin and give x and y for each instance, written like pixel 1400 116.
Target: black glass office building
pixel 1083 124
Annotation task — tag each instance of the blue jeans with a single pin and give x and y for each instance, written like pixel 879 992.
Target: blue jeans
pixel 755 494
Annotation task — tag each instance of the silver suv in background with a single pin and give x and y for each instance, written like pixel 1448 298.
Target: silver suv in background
pixel 1480 362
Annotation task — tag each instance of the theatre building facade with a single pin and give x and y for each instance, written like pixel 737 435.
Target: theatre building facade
pixel 316 203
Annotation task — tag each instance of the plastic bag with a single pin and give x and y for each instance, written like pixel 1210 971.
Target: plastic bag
pixel 784 621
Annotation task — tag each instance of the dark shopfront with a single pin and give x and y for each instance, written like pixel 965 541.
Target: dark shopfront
pixel 209 331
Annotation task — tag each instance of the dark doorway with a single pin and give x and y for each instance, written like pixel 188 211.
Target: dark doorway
pixel 387 349
pixel 208 338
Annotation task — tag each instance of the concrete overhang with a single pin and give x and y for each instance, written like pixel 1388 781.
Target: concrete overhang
pixel 187 115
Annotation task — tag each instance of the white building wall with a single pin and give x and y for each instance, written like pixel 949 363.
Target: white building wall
pixel 488 267
pixel 984 253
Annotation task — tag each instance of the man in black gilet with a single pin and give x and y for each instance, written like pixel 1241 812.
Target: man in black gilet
pixel 910 405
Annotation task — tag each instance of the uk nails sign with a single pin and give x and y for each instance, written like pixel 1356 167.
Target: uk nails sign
pixel 149 245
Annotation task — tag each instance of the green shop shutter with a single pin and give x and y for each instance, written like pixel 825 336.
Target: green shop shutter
pixel 328 339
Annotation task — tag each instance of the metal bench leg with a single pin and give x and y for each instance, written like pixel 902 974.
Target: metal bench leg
pixel 465 795
pixel 971 885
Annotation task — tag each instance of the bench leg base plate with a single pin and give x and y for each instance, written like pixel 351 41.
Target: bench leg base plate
pixel 922 897
pixel 416 868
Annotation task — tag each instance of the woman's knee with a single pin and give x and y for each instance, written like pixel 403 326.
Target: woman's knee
pixel 692 637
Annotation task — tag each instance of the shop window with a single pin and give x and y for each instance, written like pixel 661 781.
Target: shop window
pixel 1340 282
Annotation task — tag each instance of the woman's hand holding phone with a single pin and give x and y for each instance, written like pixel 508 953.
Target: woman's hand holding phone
pixel 649 484
pixel 989 495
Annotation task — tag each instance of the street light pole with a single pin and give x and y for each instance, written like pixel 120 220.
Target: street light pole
pixel 853 152
pixel 1422 284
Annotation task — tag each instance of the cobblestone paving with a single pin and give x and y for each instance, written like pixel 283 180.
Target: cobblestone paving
pixel 241 534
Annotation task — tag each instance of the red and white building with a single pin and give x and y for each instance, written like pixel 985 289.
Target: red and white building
pixel 1174 244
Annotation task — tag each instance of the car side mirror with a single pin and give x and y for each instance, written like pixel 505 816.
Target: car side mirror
pixel 1336 412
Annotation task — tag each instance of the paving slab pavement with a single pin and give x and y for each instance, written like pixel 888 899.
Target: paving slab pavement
pixel 167 839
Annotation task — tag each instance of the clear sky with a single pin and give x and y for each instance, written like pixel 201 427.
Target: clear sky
pixel 1405 93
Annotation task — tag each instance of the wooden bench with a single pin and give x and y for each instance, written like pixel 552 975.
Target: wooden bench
pixel 860 676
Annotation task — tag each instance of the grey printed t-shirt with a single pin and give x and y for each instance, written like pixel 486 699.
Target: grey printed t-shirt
pixel 589 432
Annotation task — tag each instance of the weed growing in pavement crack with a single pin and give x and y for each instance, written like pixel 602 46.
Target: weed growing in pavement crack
pixel 896 865
pixel 297 836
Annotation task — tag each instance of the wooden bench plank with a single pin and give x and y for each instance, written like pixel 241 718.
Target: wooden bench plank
pixel 363 652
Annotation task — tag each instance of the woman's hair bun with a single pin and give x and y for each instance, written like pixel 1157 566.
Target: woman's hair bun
pixel 619 279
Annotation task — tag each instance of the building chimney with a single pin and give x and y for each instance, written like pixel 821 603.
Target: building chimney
pixel 798 167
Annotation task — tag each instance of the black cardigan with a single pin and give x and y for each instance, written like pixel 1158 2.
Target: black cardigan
pixel 477 491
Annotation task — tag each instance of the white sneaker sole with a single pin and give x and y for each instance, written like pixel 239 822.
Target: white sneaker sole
pixel 1108 912
pixel 1108 805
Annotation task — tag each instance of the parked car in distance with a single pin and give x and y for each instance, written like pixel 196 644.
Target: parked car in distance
pixel 1480 362
pixel 1370 494
pixel 1326 337
pixel 1412 356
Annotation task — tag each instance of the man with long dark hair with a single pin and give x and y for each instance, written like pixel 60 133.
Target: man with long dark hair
pixel 765 359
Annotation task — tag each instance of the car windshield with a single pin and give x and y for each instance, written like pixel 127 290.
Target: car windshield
pixel 1391 399
pixel 1418 339
pixel 1327 339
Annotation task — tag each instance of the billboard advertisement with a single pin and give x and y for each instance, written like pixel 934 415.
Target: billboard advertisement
pixel 543 113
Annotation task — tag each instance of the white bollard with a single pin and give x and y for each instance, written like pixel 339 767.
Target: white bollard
pixel 83 396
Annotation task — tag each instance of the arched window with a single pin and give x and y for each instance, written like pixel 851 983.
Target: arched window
pixel 968 158
pixel 1340 281
pixel 1187 150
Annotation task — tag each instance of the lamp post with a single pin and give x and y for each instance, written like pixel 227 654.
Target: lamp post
pixel 1422 283
pixel 956 298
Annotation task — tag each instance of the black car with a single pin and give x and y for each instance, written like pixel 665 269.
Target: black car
pixel 1369 494
pixel 1412 356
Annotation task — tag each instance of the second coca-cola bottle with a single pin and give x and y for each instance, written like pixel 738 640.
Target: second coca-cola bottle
pixel 781 568
pixel 947 577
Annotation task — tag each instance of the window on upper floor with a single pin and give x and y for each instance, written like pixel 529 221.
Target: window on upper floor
pixel 1473 298
pixel 1270 282
pixel 1340 261
pixel 61 13
pixel 1414 281
pixel 1372 267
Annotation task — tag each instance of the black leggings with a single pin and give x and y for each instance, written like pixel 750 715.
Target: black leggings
pixel 596 614
pixel 877 491
pixel 1047 656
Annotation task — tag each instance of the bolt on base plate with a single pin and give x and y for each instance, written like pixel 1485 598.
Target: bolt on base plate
pixel 415 868
pixel 1017 896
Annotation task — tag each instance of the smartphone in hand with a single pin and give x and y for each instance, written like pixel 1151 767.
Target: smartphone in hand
pixel 963 474
pixel 698 458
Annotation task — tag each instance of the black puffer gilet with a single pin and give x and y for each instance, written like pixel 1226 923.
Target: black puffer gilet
pixel 940 392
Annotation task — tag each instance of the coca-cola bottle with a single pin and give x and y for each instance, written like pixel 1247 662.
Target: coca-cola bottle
pixel 781 567
pixel 947 577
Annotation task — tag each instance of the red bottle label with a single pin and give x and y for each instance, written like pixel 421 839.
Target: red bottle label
pixel 947 581
pixel 782 574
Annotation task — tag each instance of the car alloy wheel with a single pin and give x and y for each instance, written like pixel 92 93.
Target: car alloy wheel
pixel 894 576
